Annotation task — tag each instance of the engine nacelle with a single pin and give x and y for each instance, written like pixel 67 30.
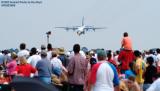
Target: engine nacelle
pixel 80 32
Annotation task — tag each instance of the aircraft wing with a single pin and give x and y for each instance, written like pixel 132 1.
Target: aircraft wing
pixel 93 28
pixel 68 28
pixel 99 28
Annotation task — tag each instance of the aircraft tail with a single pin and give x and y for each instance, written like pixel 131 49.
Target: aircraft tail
pixel 83 21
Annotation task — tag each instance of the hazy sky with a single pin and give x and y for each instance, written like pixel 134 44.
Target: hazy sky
pixel 29 23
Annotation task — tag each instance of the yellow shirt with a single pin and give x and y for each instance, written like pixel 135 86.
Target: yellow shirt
pixel 140 67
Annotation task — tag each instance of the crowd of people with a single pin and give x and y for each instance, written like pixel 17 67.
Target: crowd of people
pixel 93 70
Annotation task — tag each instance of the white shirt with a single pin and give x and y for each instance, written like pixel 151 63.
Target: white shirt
pixel 56 62
pixel 154 58
pixel 116 59
pixel 23 53
pixel 49 55
pixel 155 86
pixel 104 80
pixel 33 60
pixel 81 52
pixel 158 59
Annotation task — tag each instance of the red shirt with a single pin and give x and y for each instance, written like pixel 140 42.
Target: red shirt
pixel 93 73
pixel 126 57
pixel 25 70
pixel 112 62
pixel 4 80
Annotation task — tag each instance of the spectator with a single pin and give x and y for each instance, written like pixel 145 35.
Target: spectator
pixel 152 54
pixel 3 79
pixel 64 59
pixel 24 69
pixel 104 76
pixel 155 86
pixel 110 59
pixel 2 60
pixel 116 54
pixel 43 48
pixel 49 51
pixel 126 55
pixel 125 58
pixel 7 57
pixel 11 66
pixel 57 64
pixel 44 68
pixel 139 69
pixel 77 70
pixel 150 73
pixel 34 58
pixel 126 43
pixel 87 85
pixel 132 84
pixel 158 61
pixel 23 52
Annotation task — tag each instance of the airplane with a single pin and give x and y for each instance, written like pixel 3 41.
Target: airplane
pixel 81 29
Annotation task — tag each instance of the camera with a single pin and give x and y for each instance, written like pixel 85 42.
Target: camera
pixel 48 33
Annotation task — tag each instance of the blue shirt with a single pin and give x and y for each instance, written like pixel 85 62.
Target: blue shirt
pixel 44 68
pixel 2 59
pixel 129 73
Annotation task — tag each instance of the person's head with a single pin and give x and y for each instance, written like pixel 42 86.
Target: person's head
pixel 33 51
pixel 22 60
pixel 92 53
pixel 125 34
pixel 150 60
pixel 137 53
pixel 5 52
pixel 49 47
pixel 54 54
pixel 117 52
pixel 109 55
pixel 151 52
pixel 101 54
pixel 43 47
pixel 43 54
pixel 13 55
pixel 76 48
pixel 61 51
pixel 158 51
pixel 93 61
pixel 131 81
pixel 22 46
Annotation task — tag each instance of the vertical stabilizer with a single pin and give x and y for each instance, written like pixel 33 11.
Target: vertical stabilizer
pixel 83 21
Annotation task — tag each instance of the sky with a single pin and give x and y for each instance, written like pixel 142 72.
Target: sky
pixel 29 23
